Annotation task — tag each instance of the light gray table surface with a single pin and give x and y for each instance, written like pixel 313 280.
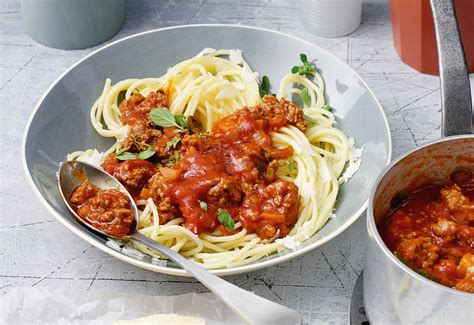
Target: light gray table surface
pixel 35 250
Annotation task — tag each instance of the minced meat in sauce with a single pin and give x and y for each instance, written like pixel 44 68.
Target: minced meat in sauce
pixel 232 168
pixel 432 231
pixel 107 210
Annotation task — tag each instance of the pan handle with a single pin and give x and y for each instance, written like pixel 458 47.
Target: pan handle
pixel 457 114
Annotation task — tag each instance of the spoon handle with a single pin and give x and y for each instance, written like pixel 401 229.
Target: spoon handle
pixel 250 307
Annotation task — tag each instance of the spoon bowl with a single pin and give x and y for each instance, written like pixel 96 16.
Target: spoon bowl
pixel 250 307
pixel 73 173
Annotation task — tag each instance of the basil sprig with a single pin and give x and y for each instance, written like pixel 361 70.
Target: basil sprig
pixel 306 68
pixel 163 117
pixel 225 219
pixel 123 154
pixel 264 88
pixel 150 151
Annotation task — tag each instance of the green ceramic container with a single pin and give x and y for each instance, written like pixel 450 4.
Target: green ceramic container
pixel 72 24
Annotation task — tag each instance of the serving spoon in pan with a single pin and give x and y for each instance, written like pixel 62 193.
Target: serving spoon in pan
pixel 250 307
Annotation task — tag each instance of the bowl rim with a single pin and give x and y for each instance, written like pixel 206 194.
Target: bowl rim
pixel 177 271
pixel 372 227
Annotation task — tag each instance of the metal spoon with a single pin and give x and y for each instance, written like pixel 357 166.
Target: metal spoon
pixel 251 308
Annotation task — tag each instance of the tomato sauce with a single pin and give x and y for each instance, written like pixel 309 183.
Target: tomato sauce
pixel 107 210
pixel 212 180
pixel 431 230
pixel 133 174
pixel 229 169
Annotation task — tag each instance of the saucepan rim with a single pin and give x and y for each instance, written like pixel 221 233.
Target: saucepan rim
pixel 372 227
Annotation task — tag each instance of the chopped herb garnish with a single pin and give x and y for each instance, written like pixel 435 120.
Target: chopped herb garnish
pixel 125 155
pixel 306 97
pixel 150 151
pixel 306 68
pixel 309 119
pixel 291 165
pixel 202 205
pixel 163 117
pixel 399 199
pixel 269 173
pixel 172 143
pixel 264 86
pixel 327 107
pixel 181 120
pixel 178 131
pixel 225 219
pixel 173 159
pixel 119 151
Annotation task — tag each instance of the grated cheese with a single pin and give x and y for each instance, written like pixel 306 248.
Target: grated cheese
pixel 93 157
pixel 235 56
pixel 354 162
pixel 204 52
pixel 248 75
pixel 289 242
pixel 303 147
pixel 324 171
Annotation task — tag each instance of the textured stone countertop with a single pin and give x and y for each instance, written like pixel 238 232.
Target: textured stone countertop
pixel 35 250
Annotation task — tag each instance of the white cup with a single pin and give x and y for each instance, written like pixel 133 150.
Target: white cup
pixel 331 18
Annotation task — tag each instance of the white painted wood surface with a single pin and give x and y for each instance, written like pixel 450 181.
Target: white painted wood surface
pixel 35 250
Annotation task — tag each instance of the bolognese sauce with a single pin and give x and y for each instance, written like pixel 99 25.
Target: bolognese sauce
pixel 212 180
pixel 107 210
pixel 432 231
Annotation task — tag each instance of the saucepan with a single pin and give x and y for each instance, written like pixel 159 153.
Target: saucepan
pixel 393 292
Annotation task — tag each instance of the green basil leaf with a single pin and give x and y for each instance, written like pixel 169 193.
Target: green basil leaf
pixel 119 151
pixel 202 205
pixel 181 120
pixel 291 165
pixel 225 219
pixel 125 155
pixel 163 117
pixel 264 86
pixel 269 173
pixel 306 68
pixel 149 152
pixel 306 97
pixel 303 58
pixel 172 143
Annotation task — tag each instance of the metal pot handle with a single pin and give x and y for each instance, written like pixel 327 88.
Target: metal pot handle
pixel 457 114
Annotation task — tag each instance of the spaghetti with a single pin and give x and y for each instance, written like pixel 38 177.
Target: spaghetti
pixel 208 87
